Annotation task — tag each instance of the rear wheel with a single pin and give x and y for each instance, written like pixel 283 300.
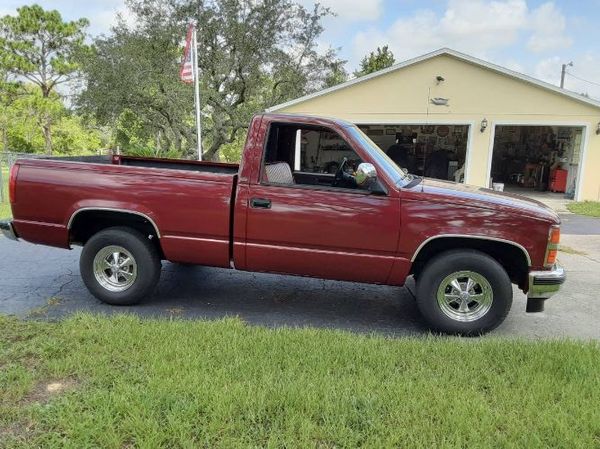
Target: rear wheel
pixel 120 266
pixel 464 292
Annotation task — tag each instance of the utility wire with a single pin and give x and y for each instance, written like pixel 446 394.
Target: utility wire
pixel 584 80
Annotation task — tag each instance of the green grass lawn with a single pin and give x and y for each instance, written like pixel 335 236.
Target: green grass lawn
pixel 591 208
pixel 4 204
pixel 125 382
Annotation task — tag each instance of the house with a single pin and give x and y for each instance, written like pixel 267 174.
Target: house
pixel 496 125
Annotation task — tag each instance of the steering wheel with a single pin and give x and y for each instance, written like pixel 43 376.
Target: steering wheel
pixel 340 172
pixel 342 178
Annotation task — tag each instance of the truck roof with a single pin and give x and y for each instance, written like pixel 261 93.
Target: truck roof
pixel 307 119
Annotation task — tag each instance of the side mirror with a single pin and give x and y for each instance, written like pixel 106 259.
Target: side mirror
pixel 366 175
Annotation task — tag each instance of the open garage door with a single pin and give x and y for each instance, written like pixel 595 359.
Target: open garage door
pixel 436 151
pixel 542 158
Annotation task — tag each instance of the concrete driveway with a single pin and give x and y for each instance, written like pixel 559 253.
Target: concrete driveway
pixel 37 281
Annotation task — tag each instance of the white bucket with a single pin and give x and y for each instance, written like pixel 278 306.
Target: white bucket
pixel 498 186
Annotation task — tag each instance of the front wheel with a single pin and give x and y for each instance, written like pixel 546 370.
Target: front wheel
pixel 120 266
pixel 464 292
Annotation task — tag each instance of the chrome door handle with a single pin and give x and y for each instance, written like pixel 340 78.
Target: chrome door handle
pixel 260 203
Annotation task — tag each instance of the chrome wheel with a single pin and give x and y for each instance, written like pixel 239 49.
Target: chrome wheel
pixel 115 268
pixel 465 296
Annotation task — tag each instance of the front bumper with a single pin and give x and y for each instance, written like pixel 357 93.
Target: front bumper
pixel 543 285
pixel 7 228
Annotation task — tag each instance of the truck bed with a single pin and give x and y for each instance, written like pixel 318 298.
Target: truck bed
pixel 188 201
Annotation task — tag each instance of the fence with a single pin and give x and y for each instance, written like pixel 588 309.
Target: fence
pixel 7 160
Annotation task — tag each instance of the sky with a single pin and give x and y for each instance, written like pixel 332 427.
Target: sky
pixel 534 37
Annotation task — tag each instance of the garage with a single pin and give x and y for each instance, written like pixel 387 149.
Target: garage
pixel 536 158
pixel 460 118
pixel 437 151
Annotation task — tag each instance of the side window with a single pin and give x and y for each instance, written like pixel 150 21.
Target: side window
pixel 308 156
pixel 322 151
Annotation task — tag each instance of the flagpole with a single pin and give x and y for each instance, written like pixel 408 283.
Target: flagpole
pixel 196 91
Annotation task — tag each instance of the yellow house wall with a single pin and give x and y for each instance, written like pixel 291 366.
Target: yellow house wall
pixel 474 93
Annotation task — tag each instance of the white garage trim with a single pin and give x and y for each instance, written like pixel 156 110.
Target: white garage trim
pixel 434 122
pixel 582 153
pixel 585 138
pixel 469 154
pixel 488 176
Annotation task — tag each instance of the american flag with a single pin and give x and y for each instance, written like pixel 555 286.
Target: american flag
pixel 186 72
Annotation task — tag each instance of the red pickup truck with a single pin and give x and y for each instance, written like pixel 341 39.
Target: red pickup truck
pixel 311 197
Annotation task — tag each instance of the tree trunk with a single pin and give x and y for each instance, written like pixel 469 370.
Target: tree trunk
pixel 158 146
pixel 4 139
pixel 214 157
pixel 46 127
pixel 177 139
pixel 212 154
pixel 47 137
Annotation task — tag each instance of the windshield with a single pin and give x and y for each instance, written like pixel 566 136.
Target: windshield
pixel 399 176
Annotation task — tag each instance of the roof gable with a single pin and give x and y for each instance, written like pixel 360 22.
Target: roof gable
pixel 452 53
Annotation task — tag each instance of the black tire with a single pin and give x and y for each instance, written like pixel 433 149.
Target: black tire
pixel 146 259
pixel 478 263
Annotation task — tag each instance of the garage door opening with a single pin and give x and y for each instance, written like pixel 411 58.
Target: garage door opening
pixel 536 158
pixel 436 151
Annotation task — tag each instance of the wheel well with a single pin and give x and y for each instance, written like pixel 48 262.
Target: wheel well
pixel 511 257
pixel 89 222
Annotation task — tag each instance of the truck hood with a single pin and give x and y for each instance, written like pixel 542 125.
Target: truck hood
pixel 473 196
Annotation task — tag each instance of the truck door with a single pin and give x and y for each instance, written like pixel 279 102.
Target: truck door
pixel 304 219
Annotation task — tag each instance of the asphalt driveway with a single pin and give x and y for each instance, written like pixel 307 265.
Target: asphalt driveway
pixel 37 281
pixel 572 224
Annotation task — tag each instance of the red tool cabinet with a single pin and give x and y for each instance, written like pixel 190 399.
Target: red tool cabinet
pixel 558 180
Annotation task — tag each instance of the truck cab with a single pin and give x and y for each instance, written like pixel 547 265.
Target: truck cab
pixel 300 209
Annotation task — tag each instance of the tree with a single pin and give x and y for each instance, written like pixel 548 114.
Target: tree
pixel 23 119
pixel 376 60
pixel 38 46
pixel 337 75
pixel 251 55
pixel 132 85
pixel 9 93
